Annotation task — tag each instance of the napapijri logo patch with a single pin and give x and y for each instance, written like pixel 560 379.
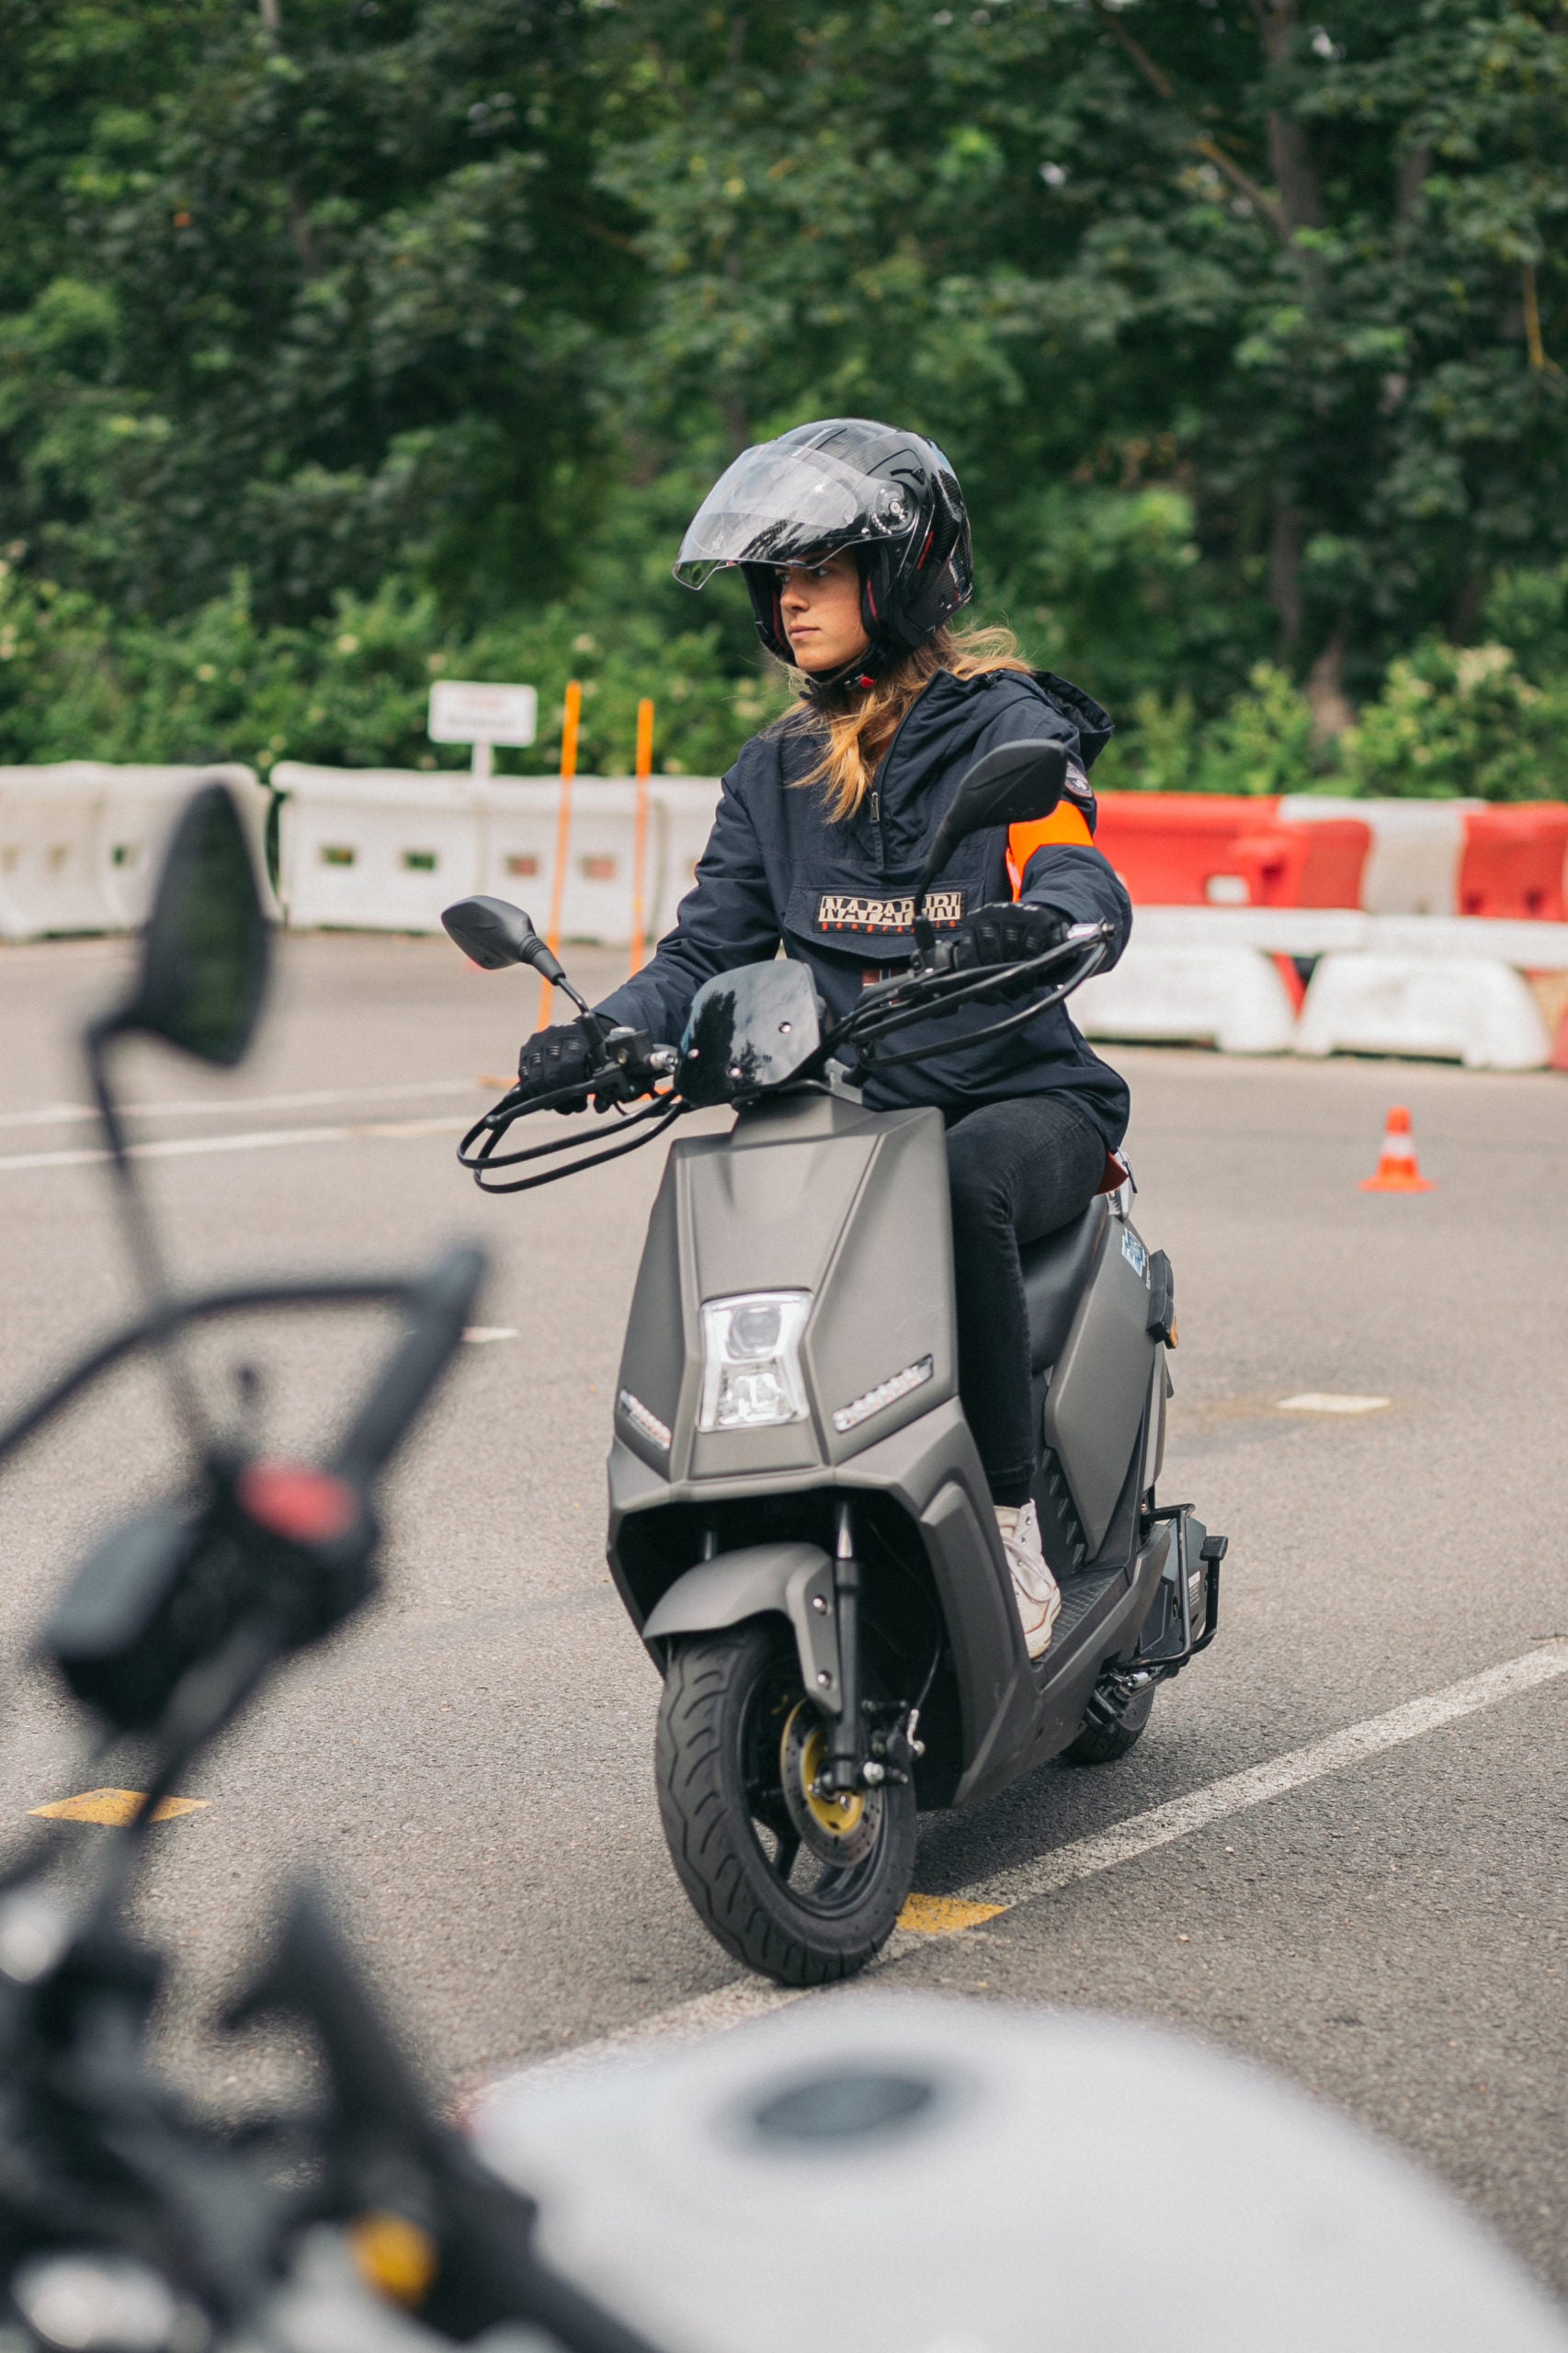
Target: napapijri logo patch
pixel 839 911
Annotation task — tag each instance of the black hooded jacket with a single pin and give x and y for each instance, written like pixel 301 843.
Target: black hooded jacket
pixel 778 870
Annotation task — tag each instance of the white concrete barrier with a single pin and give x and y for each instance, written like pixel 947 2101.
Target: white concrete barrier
pixel 1278 931
pixel 386 849
pixel 375 849
pixel 596 903
pixel 1412 868
pixel 1476 1010
pixel 516 841
pixel 688 803
pixel 50 875
pixel 137 813
pixel 520 825
pixel 1228 996
pixel 1528 946
pixel 81 841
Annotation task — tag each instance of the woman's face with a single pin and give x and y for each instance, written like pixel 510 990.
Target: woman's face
pixel 821 605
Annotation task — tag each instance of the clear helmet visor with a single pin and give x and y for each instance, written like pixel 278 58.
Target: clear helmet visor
pixel 780 504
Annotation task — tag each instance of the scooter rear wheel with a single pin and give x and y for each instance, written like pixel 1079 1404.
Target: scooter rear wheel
pixel 1103 1743
pixel 803 1888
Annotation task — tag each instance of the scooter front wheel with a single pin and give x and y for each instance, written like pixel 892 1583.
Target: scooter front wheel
pixel 806 1888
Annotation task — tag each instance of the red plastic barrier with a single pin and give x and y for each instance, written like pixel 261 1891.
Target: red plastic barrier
pixel 1513 862
pixel 1176 849
pixel 1318 865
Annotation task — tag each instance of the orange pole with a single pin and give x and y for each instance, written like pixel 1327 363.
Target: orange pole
pixel 640 838
pixel 563 832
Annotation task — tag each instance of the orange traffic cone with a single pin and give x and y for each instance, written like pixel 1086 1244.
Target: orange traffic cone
pixel 1398 1171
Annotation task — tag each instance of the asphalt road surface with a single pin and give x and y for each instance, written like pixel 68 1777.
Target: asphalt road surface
pixel 468 1766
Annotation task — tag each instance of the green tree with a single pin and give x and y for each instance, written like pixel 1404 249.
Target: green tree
pixel 325 298
pixel 1295 277
pixel 1245 325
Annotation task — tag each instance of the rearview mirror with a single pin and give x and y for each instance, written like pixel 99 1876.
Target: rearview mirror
pixel 205 951
pixel 492 933
pixel 1014 785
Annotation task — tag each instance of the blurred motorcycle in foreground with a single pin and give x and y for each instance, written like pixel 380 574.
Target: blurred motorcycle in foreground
pixel 126 2223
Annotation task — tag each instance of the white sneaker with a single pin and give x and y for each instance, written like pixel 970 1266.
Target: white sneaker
pixel 1036 1591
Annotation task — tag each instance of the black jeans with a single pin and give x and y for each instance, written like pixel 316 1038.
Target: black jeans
pixel 1015 1171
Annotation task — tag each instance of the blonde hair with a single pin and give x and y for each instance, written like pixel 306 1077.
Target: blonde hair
pixel 857 737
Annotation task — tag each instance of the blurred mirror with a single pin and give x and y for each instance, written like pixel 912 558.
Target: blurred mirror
pixel 205 954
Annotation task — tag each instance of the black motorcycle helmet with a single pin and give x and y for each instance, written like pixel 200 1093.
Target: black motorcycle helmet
pixel 845 482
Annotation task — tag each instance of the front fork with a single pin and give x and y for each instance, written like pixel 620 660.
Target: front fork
pixel 846 1760
pixel 868 1742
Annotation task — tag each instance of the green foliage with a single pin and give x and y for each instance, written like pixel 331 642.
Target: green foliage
pixel 1262 742
pixel 1452 721
pixel 423 323
pixel 350 689
pixel 1529 611
pixel 323 301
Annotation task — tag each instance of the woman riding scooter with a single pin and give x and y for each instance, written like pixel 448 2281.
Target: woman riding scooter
pixel 854 542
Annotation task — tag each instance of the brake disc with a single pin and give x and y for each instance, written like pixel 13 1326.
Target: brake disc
pixel 841 1829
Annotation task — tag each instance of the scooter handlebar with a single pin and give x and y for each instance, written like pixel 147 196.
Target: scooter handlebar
pixel 439 1305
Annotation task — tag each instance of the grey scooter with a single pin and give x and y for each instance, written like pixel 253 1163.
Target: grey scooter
pixel 799 1523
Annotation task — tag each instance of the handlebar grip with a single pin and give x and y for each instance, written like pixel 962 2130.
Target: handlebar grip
pixel 439 1305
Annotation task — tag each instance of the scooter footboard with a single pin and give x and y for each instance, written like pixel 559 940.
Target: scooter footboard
pixel 792 1581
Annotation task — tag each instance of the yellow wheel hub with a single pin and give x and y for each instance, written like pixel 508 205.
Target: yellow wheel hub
pixel 838 1816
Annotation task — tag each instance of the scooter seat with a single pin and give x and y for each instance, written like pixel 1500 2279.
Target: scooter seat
pixel 1055 1271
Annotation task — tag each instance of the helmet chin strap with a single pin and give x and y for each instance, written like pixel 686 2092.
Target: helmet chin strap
pixel 838 690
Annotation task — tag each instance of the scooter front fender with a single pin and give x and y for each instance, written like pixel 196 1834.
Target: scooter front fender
pixel 792 1581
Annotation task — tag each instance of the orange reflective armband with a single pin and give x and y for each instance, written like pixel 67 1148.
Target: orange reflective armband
pixel 1066 823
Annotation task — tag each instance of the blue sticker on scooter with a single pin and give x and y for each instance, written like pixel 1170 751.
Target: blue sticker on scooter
pixel 1132 1250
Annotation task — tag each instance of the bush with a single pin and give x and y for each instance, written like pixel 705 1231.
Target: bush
pixel 1261 744
pixel 77 682
pixel 1460 720
pixel 350 691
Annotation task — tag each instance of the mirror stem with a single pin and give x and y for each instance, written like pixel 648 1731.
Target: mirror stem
pixel 924 929
pixel 163 1335
pixel 590 1019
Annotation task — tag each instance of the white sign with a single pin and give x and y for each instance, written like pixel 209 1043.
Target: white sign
pixel 463 712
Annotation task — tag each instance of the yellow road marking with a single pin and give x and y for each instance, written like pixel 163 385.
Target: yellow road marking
pixel 115 1806
pixel 944 1915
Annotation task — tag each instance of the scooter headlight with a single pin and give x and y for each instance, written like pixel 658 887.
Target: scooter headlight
pixel 751 1361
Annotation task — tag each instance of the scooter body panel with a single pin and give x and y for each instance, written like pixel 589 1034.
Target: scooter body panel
pixel 929 1473
pixel 794 1581
pixel 811 1192
pixel 1098 1384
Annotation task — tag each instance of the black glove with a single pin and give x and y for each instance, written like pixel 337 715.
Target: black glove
pixel 556 1057
pixel 1004 933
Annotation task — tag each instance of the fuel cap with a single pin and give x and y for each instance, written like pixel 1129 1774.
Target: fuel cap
pixel 845 2104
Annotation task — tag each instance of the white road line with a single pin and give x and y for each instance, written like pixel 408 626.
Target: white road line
pixel 1143 1831
pixel 732 2004
pixel 47 1115
pixel 63 1114
pixel 259 1140
pixel 1142 1834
